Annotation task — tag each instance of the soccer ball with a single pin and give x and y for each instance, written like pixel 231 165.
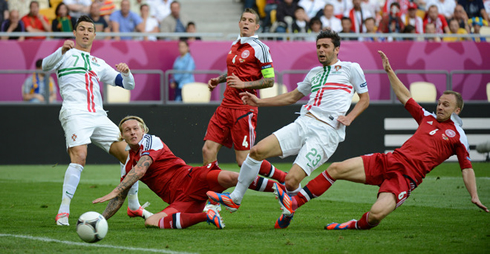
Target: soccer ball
pixel 92 227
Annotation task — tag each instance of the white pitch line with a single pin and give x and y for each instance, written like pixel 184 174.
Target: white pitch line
pixel 92 245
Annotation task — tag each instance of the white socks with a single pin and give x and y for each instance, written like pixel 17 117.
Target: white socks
pixel 294 192
pixel 70 184
pixel 248 172
pixel 133 201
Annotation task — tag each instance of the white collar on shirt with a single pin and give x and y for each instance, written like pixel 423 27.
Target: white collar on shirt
pixel 246 39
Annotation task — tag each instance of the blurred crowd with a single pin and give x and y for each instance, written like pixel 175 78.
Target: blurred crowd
pixel 149 16
pixel 375 17
pixel 277 16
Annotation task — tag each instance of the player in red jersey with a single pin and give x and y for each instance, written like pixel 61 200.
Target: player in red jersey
pixel 249 65
pixel 397 174
pixel 182 186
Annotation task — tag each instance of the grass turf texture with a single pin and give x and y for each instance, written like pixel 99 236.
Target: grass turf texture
pixel 438 218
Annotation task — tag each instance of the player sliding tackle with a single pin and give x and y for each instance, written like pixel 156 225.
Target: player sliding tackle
pixel 438 137
pixel 182 186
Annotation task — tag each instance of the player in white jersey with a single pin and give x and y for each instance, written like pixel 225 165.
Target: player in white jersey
pixel 82 115
pixel 315 134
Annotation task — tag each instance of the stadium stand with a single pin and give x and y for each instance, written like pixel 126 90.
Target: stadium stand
pixel 196 92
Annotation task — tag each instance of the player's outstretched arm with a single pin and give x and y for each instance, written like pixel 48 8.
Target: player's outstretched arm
pixel 398 87
pixel 470 183
pixel 127 81
pixel 50 62
pixel 279 100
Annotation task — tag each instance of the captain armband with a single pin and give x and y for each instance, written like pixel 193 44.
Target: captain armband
pixel 268 71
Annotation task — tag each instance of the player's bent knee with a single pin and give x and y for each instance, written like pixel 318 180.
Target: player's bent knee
pixel 335 170
pixel 292 182
pixel 257 154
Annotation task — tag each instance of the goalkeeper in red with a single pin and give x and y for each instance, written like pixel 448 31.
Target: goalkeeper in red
pixel 397 174
pixel 182 186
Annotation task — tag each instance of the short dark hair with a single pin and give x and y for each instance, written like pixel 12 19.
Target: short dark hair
pixel 39 63
pixel 33 2
pixel 190 24
pixel 315 20
pixel 84 18
pixel 459 98
pixel 329 34
pixel 250 10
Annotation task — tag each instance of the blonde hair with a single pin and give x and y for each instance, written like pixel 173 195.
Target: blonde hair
pixel 136 118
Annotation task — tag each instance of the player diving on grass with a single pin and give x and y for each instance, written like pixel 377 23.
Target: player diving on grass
pixel 397 174
pixel 82 115
pixel 182 186
pixel 316 133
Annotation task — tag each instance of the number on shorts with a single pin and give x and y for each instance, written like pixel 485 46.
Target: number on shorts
pixel 245 143
pixel 76 61
pixel 313 157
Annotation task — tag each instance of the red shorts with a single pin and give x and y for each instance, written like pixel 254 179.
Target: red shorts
pixel 232 127
pixel 389 174
pixel 191 195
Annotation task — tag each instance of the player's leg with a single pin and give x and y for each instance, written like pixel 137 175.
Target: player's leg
pixel 78 155
pixel 181 215
pixel 384 205
pixel 226 179
pixel 210 151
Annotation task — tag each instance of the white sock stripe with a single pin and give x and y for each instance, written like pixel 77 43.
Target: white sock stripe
pixel 328 178
pixel 263 185
pixel 250 161
pixel 303 192
pixel 177 221
pixel 273 170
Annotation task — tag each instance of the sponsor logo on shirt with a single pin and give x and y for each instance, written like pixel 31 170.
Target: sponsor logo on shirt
pixel 245 53
pixel 450 133
pixel 430 122
pixel 267 66
pixel 229 52
pixel 444 137
pixel 363 84
pixel 145 153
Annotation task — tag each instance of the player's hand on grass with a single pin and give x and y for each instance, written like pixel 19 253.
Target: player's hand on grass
pixel 67 45
pixel 212 83
pixel 105 198
pixel 122 67
pixel 249 99
pixel 234 81
pixel 386 62
pixel 480 205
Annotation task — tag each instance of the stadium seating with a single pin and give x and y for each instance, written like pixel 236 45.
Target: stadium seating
pixel 273 91
pixel 488 91
pixel 423 91
pixel 485 30
pixel 355 98
pixel 117 94
pixel 196 92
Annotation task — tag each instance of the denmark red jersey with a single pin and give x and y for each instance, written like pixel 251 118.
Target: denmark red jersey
pixel 246 59
pixel 432 143
pixel 167 171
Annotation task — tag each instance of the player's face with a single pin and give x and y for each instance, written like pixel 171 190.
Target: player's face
pixel 326 51
pixel 446 106
pixel 248 25
pixel 84 35
pixel 132 132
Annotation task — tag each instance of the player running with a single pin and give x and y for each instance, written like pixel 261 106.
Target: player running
pixel 438 137
pixel 82 116
pixel 316 133
pixel 182 186
pixel 250 67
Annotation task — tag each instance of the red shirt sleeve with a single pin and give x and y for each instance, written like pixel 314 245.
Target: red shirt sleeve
pixel 415 110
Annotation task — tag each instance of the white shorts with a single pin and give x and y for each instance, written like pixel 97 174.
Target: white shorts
pixel 313 141
pixel 82 128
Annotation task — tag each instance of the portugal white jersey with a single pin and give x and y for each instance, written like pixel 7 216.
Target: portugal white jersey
pixel 79 75
pixel 331 89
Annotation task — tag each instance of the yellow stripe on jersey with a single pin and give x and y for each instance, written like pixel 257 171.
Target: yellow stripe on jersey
pixel 268 73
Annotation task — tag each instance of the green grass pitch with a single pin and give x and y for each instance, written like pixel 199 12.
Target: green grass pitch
pixel 438 218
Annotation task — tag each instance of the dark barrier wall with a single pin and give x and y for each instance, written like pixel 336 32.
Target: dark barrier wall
pixel 33 134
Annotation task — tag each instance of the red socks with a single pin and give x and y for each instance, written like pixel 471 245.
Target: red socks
pixel 181 220
pixel 267 169
pixel 363 222
pixel 313 189
pixel 262 184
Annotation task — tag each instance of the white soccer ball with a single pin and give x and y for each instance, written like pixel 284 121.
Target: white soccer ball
pixel 92 227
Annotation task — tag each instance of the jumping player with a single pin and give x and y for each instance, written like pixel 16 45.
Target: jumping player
pixel 182 186
pixel 438 137
pixel 316 133
pixel 250 67
pixel 82 116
